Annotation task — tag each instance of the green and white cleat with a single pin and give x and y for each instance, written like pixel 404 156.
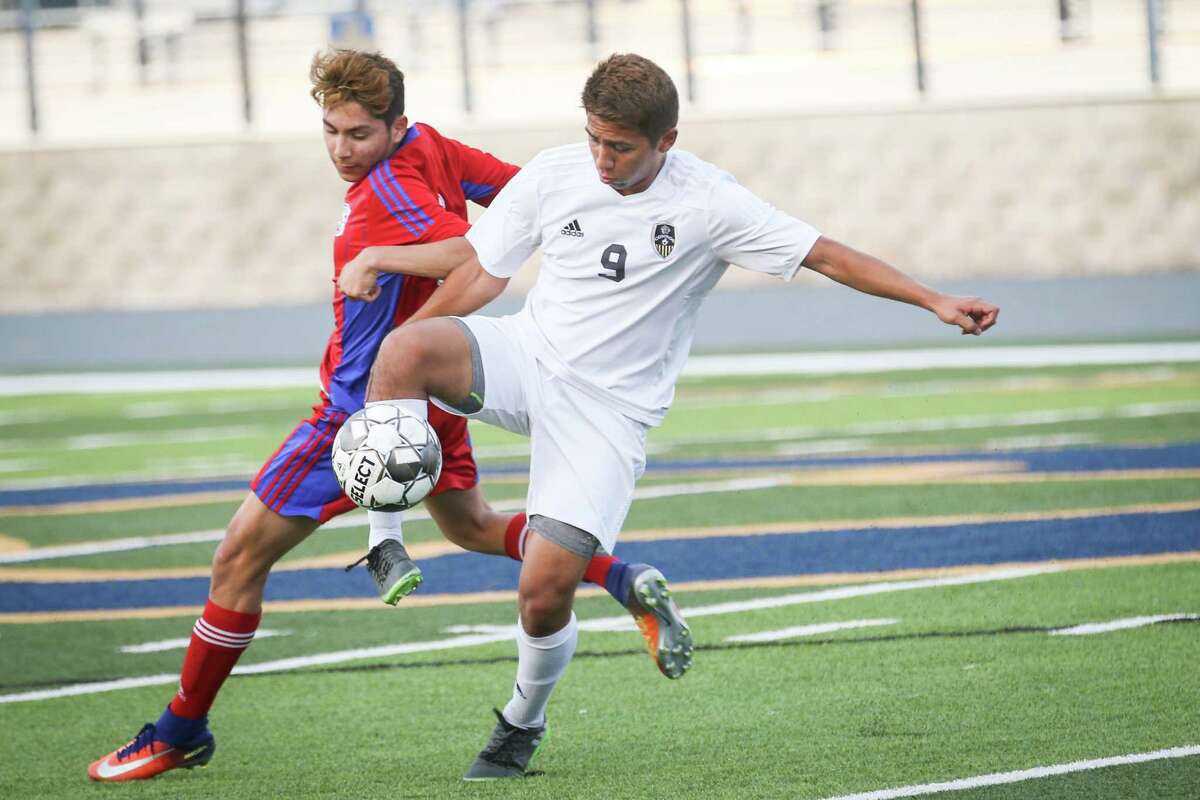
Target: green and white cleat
pixel 508 752
pixel 668 637
pixel 393 571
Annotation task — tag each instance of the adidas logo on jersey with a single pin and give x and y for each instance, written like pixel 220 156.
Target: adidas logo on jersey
pixel 572 229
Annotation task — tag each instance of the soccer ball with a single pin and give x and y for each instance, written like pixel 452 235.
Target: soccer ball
pixel 386 459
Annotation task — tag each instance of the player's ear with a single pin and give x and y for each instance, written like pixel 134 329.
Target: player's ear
pixel 667 141
pixel 399 128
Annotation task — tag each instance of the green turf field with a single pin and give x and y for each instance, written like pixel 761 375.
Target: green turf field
pixel 940 681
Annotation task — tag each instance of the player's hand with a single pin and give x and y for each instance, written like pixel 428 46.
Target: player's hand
pixel 359 280
pixel 971 314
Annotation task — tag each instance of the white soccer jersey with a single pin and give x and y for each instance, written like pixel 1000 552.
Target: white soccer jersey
pixel 614 308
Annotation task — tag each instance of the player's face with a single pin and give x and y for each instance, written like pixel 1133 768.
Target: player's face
pixel 357 141
pixel 626 160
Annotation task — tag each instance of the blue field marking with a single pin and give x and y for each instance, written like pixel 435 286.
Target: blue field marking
pixel 1075 459
pixel 57 495
pixel 857 550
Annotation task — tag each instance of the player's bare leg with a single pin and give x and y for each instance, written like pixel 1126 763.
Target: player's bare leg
pixel 427 358
pixel 545 643
pixel 444 347
pixel 256 538
pixel 465 518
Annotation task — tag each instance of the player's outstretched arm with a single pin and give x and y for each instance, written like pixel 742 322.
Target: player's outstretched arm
pixel 468 288
pixel 358 279
pixel 868 274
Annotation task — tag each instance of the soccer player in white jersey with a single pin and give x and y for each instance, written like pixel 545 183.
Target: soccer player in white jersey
pixel 634 233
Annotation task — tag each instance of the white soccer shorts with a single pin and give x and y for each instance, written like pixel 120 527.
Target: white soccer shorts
pixel 585 457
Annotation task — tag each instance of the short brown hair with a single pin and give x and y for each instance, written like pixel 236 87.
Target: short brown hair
pixel 633 92
pixel 369 79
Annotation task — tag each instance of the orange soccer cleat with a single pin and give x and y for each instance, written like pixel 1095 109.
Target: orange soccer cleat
pixel 147 756
pixel 668 638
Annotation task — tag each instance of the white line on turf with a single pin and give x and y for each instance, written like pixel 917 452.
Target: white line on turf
pixel 809 630
pixel 1035 442
pixel 359 519
pixel 829 363
pixel 507 633
pixel 179 644
pixel 1120 624
pixel 996 778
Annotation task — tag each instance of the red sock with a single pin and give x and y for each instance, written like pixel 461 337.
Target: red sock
pixel 597 571
pixel 218 639
pixel 514 537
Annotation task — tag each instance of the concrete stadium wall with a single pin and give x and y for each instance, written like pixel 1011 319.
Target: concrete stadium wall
pixel 1088 188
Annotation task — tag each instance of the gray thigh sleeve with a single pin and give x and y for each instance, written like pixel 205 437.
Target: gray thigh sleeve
pixel 473 403
pixel 569 537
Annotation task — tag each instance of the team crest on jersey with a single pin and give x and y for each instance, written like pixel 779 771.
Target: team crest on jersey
pixel 664 238
pixel 345 216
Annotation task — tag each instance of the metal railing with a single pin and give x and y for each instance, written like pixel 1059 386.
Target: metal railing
pixel 146 68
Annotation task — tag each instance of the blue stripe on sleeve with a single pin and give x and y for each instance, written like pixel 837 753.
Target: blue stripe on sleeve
pixel 475 191
pixel 419 215
pixel 389 203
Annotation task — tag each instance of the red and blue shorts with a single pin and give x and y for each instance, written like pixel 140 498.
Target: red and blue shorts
pixel 298 480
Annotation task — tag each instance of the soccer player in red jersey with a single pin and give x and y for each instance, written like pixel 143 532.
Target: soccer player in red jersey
pixel 409 184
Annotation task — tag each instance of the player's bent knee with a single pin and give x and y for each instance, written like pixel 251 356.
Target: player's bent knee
pixel 249 548
pixel 402 354
pixel 544 611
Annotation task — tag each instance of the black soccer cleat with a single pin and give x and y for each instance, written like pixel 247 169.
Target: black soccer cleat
pixel 508 752
pixel 393 571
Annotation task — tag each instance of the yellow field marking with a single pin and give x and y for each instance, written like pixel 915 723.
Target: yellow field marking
pixel 1096 475
pixel 83 575
pixel 889 474
pixel 440 548
pixel 776 582
pixel 9 544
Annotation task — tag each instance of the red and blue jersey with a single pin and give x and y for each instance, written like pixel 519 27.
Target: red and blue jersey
pixel 417 195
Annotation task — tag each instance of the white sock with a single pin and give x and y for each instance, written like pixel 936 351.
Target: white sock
pixel 418 408
pixel 541 661
pixel 384 525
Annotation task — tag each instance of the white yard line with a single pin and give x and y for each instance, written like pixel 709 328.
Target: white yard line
pixel 996 778
pixel 809 630
pixel 1120 624
pixel 842 593
pixel 162 381
pixel 507 633
pixel 699 366
pixel 179 644
pixel 1037 442
pixel 358 519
